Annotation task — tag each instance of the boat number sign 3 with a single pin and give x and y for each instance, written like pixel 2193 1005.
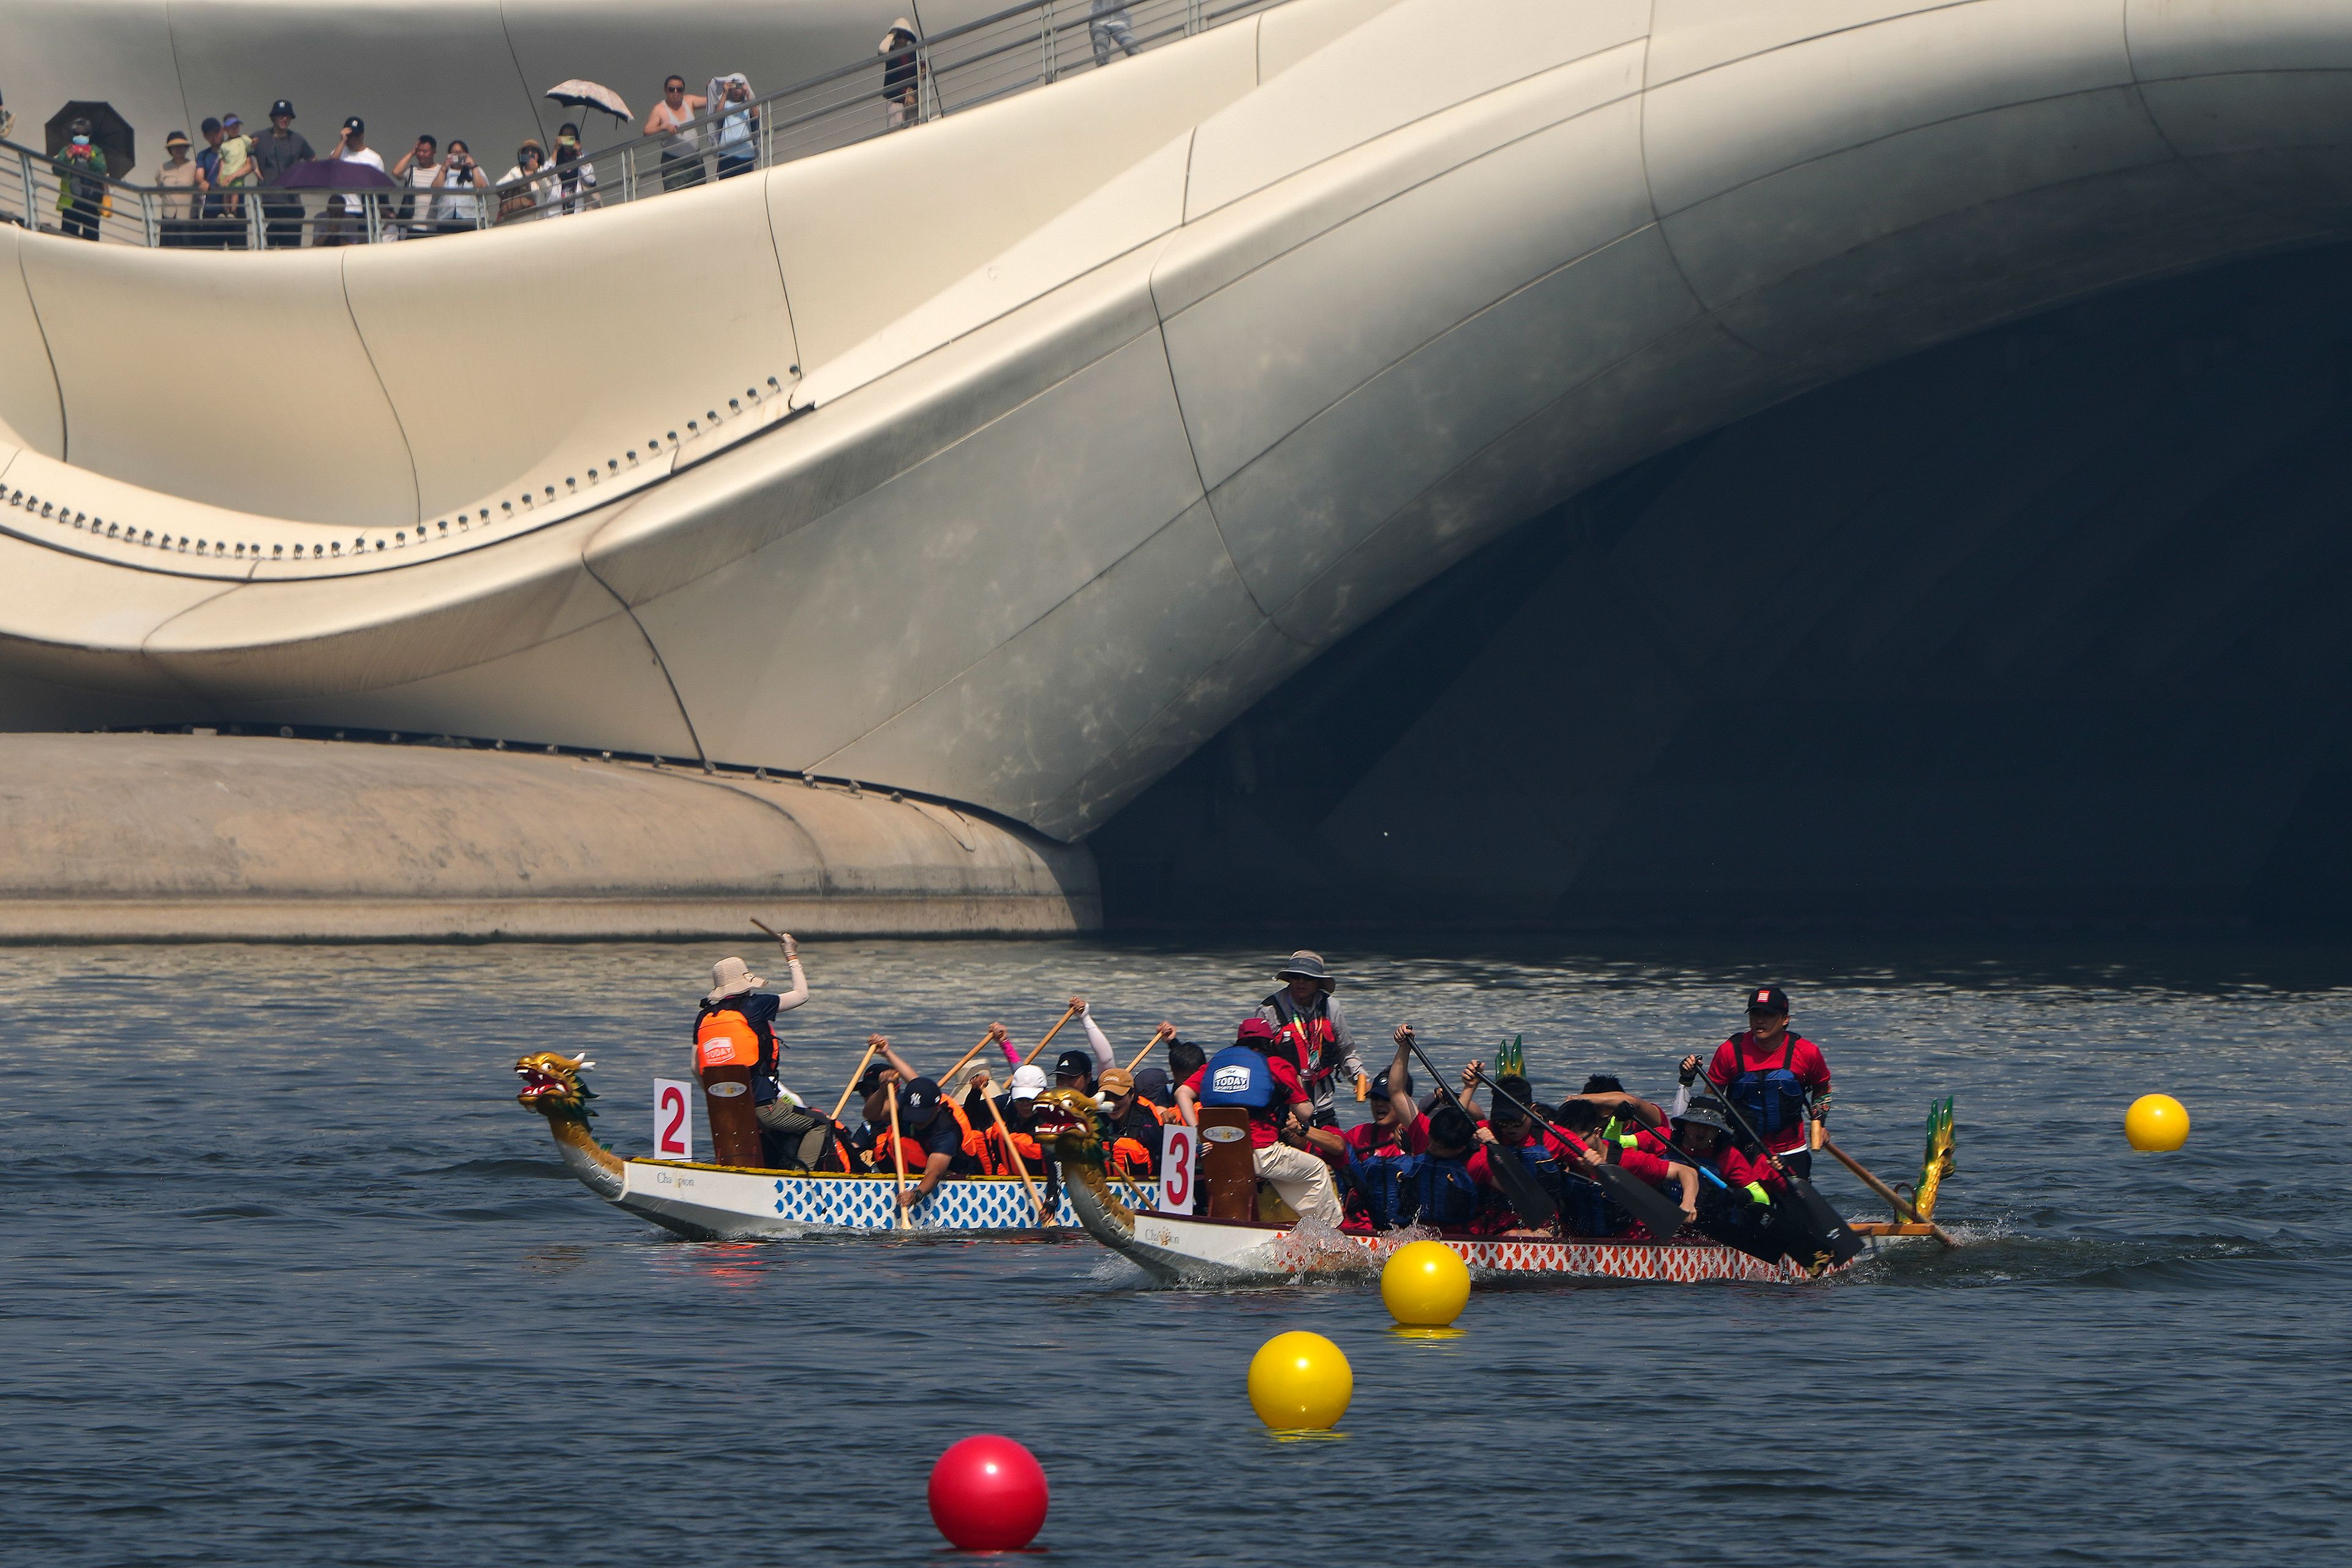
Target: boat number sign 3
pixel 1179 1168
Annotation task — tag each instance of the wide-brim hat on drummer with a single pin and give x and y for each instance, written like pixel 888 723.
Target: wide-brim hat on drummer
pixel 732 977
pixel 1306 965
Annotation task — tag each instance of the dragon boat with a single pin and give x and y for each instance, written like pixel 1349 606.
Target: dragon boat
pixel 1272 1248
pixel 736 1202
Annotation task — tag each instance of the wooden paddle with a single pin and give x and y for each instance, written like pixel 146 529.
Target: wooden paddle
pixel 1884 1191
pixel 897 1161
pixel 851 1087
pixel 995 1033
pixel 1019 1164
pixel 792 954
pixel 1049 1037
pixel 1165 1032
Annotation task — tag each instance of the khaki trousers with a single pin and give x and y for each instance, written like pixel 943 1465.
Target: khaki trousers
pixel 1304 1182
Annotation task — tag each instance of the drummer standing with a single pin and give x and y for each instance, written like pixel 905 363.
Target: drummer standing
pixel 1307 1023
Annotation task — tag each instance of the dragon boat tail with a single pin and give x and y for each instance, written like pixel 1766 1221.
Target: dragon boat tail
pixel 733 1203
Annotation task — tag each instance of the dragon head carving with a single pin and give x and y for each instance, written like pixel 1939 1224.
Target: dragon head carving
pixel 553 1086
pixel 1070 1126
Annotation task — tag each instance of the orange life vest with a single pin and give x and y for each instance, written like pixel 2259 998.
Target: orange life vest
pixel 724 1037
pixel 1130 1161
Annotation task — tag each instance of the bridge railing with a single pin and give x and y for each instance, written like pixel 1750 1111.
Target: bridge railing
pixel 1024 46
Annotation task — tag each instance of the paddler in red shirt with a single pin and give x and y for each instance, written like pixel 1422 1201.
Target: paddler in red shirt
pixel 1775 1078
pixel 1741 1213
pixel 1636 1150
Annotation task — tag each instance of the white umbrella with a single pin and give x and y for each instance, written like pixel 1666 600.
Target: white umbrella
pixel 576 94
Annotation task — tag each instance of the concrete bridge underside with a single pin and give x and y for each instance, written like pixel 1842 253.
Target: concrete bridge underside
pixel 1006 461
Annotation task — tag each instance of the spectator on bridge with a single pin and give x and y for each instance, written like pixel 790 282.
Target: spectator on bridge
pixel 417 172
pixel 522 188
pixel 575 182
pixel 901 80
pixel 457 201
pixel 236 173
pixel 181 173
pixel 681 157
pixel 351 147
pixel 1108 25
pixel 736 137
pixel 81 182
pixel 8 122
pixel 277 150
pixel 216 232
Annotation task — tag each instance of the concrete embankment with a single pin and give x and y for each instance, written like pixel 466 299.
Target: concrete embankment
pixel 213 837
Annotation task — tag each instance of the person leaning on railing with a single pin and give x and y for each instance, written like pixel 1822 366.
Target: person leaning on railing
pixel 181 179
pixel 575 182
pixel 681 157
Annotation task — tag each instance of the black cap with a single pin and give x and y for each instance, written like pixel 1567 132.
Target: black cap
pixel 1380 1090
pixel 355 123
pixel 1152 1083
pixel 1075 1064
pixel 281 107
pixel 1769 999
pixel 919 1102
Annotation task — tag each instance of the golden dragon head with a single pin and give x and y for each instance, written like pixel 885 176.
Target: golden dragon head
pixel 1069 1125
pixel 552 1086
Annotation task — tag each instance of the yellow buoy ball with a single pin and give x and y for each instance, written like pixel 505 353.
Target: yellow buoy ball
pixel 1300 1382
pixel 1425 1284
pixel 2156 1124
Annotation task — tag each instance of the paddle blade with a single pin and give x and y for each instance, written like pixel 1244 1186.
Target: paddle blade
pixel 1534 1206
pixel 1817 1226
pixel 1659 1215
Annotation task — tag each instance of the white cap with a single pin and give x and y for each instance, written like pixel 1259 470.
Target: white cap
pixel 1028 1081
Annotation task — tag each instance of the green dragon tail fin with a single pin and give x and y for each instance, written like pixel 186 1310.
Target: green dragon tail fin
pixel 1937 1162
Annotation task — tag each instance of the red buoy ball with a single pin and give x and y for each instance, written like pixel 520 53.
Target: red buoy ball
pixel 988 1494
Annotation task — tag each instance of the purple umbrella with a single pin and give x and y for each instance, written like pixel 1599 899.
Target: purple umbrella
pixel 335 175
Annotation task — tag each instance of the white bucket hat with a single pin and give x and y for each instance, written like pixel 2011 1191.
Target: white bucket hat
pixel 732 977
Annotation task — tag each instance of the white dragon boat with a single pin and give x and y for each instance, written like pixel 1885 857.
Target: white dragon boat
pixel 734 1203
pixel 1199 1249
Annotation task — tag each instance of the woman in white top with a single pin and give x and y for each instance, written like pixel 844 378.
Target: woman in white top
pixel 575 182
pixel 523 189
pixel 457 201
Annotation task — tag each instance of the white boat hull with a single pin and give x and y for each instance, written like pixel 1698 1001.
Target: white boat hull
pixel 1182 1248
pixel 723 1202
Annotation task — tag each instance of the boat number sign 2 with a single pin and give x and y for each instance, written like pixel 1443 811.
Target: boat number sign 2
pixel 673 1120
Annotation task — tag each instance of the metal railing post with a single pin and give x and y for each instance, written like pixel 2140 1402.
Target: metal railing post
pixel 25 169
pixel 927 96
pixel 1194 21
pixel 255 236
pixel 1045 41
pixel 151 221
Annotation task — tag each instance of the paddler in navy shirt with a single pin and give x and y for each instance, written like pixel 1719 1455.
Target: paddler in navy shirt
pixel 1775 1078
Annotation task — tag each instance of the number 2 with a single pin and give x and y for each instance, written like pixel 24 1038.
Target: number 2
pixel 672 1105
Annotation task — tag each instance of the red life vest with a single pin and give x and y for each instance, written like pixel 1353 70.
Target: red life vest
pixel 1306 1035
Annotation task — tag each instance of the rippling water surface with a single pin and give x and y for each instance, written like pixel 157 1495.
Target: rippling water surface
pixel 290 1278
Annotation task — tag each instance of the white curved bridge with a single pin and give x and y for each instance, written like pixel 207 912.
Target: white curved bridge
pixel 1005 458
